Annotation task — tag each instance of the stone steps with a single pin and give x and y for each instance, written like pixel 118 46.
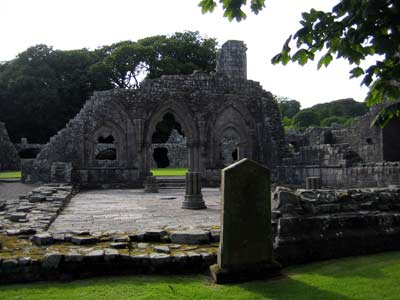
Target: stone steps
pixel 171 182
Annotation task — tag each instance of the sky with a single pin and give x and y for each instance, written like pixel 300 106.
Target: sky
pixel 75 24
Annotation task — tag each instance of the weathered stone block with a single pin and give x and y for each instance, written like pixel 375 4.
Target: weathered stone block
pixel 17 217
pixel 190 237
pixel 42 239
pixel 162 249
pixel 51 260
pixel 84 240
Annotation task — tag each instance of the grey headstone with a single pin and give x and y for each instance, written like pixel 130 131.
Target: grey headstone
pixel 245 250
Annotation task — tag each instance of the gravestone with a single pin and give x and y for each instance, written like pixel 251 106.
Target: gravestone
pixel 245 250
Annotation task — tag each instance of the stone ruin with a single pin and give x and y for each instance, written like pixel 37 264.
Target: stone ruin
pixel 223 118
pixel 357 156
pixel 9 159
pixel 109 142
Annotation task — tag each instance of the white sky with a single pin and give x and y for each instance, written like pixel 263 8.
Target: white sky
pixel 74 24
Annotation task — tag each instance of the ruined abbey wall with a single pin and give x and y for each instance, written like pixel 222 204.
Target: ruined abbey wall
pixel 109 141
pixel 9 159
pixel 357 156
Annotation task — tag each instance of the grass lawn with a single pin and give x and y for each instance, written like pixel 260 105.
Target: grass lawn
pixel 10 175
pixel 169 172
pixel 372 277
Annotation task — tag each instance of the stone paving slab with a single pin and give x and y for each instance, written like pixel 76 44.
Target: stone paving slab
pixel 129 210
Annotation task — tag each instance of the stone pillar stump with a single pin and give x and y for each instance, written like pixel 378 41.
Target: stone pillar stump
pixel 151 185
pixel 245 249
pixel 193 196
pixel 313 183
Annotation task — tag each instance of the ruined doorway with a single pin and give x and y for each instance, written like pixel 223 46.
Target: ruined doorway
pixel 230 147
pixel 160 156
pixel 169 147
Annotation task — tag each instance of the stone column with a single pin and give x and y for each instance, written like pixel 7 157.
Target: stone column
pixel 313 183
pixel 193 196
pixel 245 250
pixel 151 185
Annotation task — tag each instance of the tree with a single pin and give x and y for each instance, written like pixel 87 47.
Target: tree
pixel 337 120
pixel 287 106
pixel 42 89
pixel 126 63
pixel 180 53
pixel 353 30
pixel 305 118
pixel 123 63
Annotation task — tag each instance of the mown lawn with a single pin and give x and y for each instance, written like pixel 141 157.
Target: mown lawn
pixel 10 175
pixel 374 277
pixel 169 172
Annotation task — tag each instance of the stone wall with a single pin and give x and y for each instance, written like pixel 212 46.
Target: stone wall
pixel 363 175
pixel 357 156
pixel 9 159
pixel 314 225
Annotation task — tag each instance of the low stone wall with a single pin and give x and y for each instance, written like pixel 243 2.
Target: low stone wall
pixel 111 177
pixel 76 255
pixel 55 266
pixel 364 175
pixel 313 225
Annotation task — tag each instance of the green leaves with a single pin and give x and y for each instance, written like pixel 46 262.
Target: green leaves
pixel 207 6
pixel 302 56
pixel 257 5
pixel 356 72
pixel 232 8
pixel 325 60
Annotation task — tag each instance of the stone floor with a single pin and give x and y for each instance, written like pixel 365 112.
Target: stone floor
pixel 133 210
pixel 12 190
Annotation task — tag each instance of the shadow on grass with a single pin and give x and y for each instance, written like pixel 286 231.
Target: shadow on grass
pixel 172 287
pixel 367 266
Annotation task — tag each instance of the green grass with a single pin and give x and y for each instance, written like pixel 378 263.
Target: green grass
pixel 169 172
pixel 372 277
pixel 10 175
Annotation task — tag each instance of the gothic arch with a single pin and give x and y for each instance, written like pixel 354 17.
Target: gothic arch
pixel 107 129
pixel 182 115
pixel 232 117
pixel 188 124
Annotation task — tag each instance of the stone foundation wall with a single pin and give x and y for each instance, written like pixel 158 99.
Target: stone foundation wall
pixel 108 178
pixel 365 175
pixel 314 225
